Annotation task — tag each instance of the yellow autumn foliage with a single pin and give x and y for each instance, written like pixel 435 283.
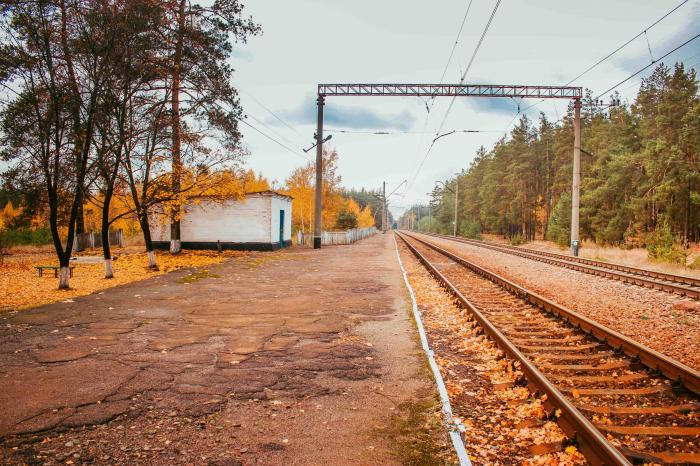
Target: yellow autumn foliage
pixel 21 288
pixel 8 214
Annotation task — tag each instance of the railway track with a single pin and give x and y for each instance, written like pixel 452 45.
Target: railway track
pixel 600 385
pixel 677 284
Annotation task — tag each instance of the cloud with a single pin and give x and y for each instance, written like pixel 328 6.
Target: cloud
pixel 497 105
pixel 348 117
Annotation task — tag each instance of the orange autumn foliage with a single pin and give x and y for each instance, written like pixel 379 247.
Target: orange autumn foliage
pixel 301 186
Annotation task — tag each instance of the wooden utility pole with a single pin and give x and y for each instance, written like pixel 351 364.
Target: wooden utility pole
pixel 318 228
pixel 576 184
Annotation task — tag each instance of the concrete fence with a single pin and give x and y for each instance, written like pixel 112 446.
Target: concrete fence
pixel 336 237
pixel 92 240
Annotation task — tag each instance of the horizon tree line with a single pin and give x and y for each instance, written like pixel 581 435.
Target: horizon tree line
pixel 640 173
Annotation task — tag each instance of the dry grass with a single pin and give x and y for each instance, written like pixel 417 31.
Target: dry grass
pixel 22 288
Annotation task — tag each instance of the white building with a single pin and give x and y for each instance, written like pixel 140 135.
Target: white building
pixel 259 221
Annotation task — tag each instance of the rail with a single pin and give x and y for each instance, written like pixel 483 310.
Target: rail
pixel 677 284
pixel 572 421
pixel 591 441
pixel 670 368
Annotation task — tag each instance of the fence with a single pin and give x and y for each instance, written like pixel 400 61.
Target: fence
pixel 336 237
pixel 91 240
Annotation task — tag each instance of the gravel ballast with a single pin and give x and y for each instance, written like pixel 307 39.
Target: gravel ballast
pixel 665 322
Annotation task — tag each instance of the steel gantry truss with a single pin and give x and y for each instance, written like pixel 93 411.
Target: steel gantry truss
pixel 450 90
pixel 453 90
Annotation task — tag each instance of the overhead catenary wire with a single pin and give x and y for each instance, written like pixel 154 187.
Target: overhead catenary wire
pixel 388 133
pixel 461 81
pixel 471 62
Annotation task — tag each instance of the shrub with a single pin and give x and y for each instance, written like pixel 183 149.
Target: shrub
pixel 517 240
pixel 695 265
pixel 663 247
pixel 25 236
pixel 346 220
pixel 559 227
pixel 471 229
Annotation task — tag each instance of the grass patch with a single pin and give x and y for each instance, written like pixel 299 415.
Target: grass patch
pixel 196 276
pixel 644 317
pixel 417 434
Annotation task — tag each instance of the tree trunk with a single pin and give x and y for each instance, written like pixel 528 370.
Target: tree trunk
pixel 146 229
pixel 63 276
pixel 175 242
pixel 106 251
pixel 80 227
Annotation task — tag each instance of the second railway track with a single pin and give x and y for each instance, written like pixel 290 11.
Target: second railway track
pixel 601 384
pixel 677 284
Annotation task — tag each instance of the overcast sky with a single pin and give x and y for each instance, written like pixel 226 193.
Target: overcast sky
pixel 306 42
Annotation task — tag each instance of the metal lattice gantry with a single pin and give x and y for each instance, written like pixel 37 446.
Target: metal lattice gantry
pixel 453 90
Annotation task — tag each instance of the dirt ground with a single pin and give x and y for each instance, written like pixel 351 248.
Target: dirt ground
pixel 303 357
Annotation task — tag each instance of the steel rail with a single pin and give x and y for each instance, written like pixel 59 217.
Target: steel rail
pixel 676 284
pixel 591 442
pixel 684 279
pixel 670 368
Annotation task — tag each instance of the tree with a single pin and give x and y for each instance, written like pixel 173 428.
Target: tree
pixel 346 220
pixel 48 122
pixel 203 101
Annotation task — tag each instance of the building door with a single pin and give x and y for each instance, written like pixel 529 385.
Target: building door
pixel 281 227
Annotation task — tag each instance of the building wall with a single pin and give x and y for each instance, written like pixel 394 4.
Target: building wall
pixel 254 219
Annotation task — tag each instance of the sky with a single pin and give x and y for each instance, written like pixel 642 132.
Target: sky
pixel 537 42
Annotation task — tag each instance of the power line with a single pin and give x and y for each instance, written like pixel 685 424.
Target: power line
pixel 628 42
pixel 608 56
pixel 650 64
pixel 257 120
pixel 272 113
pixel 273 139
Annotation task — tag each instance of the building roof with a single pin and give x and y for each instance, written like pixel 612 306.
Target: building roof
pixel 268 193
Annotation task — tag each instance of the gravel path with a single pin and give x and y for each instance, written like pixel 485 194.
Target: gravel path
pixel 662 321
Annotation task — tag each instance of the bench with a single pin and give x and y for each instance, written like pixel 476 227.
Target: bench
pixel 55 269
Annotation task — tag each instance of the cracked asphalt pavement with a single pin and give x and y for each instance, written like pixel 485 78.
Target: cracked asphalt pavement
pixel 294 357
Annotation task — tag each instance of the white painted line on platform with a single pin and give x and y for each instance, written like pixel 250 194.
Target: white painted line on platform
pixel 454 425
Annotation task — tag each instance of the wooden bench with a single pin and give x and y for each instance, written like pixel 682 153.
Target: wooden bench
pixel 55 269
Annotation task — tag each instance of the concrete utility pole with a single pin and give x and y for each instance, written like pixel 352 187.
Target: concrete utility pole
pixel 384 207
pixel 454 230
pixel 318 228
pixel 576 184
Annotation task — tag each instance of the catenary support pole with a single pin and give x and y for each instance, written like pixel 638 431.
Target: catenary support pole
pixel 384 207
pixel 454 229
pixel 576 183
pixel 318 228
